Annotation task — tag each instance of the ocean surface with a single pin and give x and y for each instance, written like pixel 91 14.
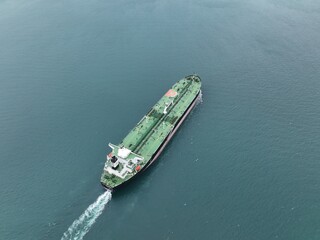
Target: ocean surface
pixel 76 75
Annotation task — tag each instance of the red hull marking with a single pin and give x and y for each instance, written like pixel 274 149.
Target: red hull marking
pixel 171 93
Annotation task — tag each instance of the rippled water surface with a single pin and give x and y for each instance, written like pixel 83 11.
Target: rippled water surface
pixel 76 75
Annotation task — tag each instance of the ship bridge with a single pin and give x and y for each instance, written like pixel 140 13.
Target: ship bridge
pixel 122 161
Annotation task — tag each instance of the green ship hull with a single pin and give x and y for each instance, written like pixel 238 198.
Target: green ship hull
pixel 144 143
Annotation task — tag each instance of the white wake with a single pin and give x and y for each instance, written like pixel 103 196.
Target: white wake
pixel 82 225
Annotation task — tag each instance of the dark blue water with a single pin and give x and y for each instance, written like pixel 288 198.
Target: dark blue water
pixel 75 75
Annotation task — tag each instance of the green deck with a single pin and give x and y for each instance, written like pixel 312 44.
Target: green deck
pixel 147 136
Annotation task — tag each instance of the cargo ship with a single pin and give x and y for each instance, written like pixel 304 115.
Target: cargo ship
pixel 144 143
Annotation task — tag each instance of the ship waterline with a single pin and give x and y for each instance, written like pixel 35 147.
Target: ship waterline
pixel 145 142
